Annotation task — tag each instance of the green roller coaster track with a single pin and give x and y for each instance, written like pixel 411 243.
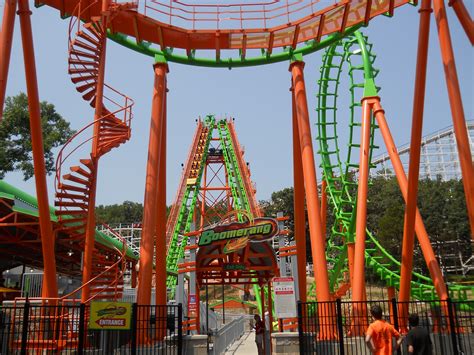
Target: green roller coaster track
pixel 184 220
pixel 356 53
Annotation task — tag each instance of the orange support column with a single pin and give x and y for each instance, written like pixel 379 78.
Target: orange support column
pixel 408 243
pixel 298 208
pixel 50 288
pixel 358 288
pixel 151 186
pixel 457 110
pixel 464 18
pixel 95 155
pixel 358 275
pixel 6 37
pixel 318 240
pixel 422 235
pixel 160 242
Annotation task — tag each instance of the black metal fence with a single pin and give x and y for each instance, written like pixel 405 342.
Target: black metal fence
pixel 339 327
pixel 32 328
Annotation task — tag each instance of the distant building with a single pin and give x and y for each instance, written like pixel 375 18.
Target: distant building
pixel 439 156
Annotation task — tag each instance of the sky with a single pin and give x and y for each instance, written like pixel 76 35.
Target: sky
pixel 257 97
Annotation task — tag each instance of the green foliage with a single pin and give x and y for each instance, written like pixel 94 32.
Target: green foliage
pixel 127 212
pixel 15 136
pixel 441 203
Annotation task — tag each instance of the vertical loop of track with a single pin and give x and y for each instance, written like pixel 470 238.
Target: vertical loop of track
pixel 340 167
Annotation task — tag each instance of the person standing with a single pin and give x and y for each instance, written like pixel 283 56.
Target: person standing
pixel 259 333
pixel 418 339
pixel 379 334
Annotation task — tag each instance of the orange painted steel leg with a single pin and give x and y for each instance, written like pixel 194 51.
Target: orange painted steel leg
pixel 90 235
pixel 350 261
pixel 390 297
pixel 6 39
pixel 457 109
pixel 358 288
pixel 464 18
pixel 50 288
pixel 422 235
pixel 91 221
pixel 149 208
pixel 324 205
pixel 160 242
pixel 298 208
pixel 318 240
pixel 408 243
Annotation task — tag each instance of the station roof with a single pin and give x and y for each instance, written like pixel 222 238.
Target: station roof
pixel 19 235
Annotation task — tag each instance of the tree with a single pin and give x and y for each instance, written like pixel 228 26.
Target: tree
pixel 15 136
pixel 127 212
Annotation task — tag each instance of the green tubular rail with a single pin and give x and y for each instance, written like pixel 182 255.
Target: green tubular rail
pixel 30 207
pixel 288 53
pixel 176 248
pixel 236 182
pixel 356 52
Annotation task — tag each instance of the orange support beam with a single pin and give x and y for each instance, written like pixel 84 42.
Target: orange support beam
pixel 298 208
pixel 160 242
pixel 457 110
pixel 408 243
pixel 318 240
pixel 95 155
pixel 358 286
pixel 422 235
pixel 6 38
pixel 151 186
pixel 464 18
pixel 50 288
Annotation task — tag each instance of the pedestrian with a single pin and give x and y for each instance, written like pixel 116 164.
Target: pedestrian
pixel 379 334
pixel 259 333
pixel 418 338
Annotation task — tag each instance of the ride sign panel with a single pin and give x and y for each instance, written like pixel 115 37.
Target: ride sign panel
pixel 192 305
pixel 285 300
pixel 110 315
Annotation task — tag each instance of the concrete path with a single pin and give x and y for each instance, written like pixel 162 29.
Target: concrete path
pixel 244 346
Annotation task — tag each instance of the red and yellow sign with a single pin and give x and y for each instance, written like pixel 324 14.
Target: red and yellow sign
pixel 110 315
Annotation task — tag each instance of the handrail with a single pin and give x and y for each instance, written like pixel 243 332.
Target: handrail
pixel 238 12
pixel 123 256
pixel 60 160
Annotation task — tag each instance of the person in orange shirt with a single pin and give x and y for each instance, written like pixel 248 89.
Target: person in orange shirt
pixel 379 334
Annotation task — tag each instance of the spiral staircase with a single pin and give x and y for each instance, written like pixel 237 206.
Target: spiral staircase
pixel 75 182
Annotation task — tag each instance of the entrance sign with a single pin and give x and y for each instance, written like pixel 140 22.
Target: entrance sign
pixel 110 315
pixel 238 234
pixel 285 300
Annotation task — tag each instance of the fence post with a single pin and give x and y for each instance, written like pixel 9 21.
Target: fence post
pixel 395 320
pixel 180 328
pixel 82 324
pixel 452 326
pixel 340 328
pixel 300 327
pixel 24 330
pixel 133 342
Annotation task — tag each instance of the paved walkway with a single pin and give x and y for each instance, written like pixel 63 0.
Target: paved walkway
pixel 244 346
